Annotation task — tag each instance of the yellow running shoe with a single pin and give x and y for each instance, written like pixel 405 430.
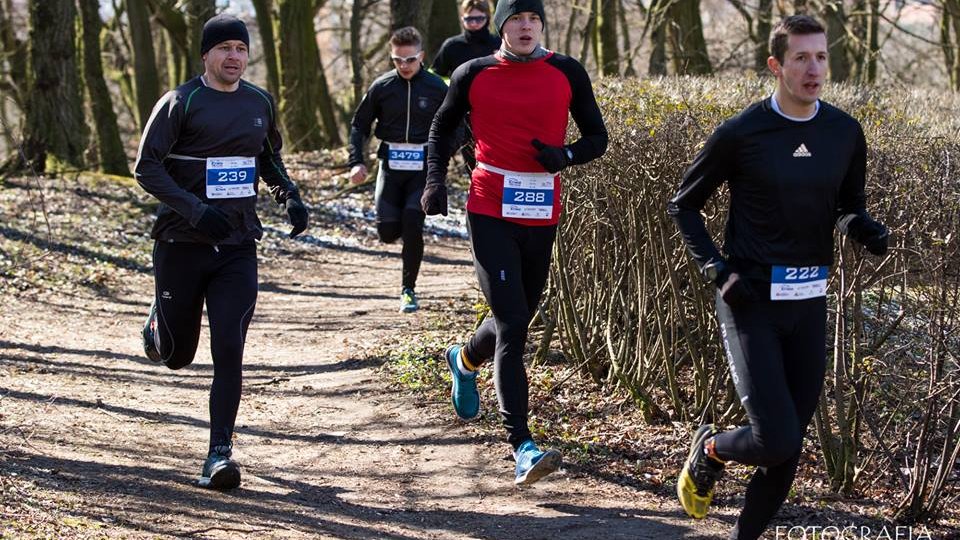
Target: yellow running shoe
pixel 700 473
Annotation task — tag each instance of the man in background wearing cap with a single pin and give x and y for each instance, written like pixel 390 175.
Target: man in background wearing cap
pixel 202 152
pixel 402 102
pixel 518 100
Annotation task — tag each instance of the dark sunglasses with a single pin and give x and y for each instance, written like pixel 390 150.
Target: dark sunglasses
pixel 474 19
pixel 405 59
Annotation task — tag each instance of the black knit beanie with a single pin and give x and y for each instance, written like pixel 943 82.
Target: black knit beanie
pixel 509 8
pixel 222 28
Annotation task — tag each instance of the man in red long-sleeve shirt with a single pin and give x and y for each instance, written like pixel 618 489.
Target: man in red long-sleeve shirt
pixel 519 100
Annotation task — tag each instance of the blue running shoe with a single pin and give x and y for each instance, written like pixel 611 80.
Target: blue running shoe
pixel 532 464
pixel 463 392
pixel 408 301
pixel 149 334
pixel 219 471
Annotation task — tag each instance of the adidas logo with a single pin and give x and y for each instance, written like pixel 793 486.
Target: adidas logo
pixel 802 151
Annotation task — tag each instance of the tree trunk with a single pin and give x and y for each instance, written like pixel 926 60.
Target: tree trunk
pixel 356 54
pixel 595 33
pixel 858 53
pixel 175 25
pixel 264 9
pixel 325 105
pixel 657 19
pixel 297 47
pixel 629 71
pixel 607 34
pixel 55 129
pixel 589 31
pixel 571 27
pixel 113 160
pixel 146 82
pixel 15 51
pixel 685 32
pixel 761 49
pixel 444 22
pixel 198 11
pixel 873 43
pixel 837 37
pixel 415 13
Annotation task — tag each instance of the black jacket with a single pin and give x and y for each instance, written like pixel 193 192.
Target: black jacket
pixel 402 109
pixel 459 49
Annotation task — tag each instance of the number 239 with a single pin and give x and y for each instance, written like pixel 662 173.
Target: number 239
pixel 231 176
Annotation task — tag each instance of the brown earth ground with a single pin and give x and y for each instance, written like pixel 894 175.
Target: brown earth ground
pixel 334 436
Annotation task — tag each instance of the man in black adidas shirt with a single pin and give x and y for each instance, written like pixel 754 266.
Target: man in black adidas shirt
pixel 202 153
pixel 795 167
pixel 402 103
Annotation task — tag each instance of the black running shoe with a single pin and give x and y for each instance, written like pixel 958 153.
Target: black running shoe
pixel 219 471
pixel 149 334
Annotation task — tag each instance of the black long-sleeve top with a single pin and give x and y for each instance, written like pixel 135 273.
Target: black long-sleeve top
pixel 462 48
pixel 194 122
pixel 789 181
pixel 402 109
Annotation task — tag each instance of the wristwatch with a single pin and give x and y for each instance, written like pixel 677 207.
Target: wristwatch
pixel 712 270
pixel 569 154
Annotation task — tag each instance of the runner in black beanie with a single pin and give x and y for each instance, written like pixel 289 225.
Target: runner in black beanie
pixel 508 8
pixel 223 28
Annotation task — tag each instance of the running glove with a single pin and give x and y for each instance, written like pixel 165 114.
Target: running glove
pixel 873 235
pixel 215 224
pixel 735 290
pixel 553 158
pixel 296 213
pixel 434 199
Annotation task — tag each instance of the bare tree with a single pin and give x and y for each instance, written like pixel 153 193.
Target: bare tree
pixel 607 37
pixel 950 40
pixel 146 82
pixel 113 160
pixel 175 28
pixel 837 37
pixel 264 9
pixel 685 34
pixel 55 131
pixel 198 12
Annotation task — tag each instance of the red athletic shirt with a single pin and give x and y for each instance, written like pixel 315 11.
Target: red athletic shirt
pixel 510 104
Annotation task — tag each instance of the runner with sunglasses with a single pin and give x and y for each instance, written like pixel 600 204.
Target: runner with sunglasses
pixel 402 102
pixel 476 41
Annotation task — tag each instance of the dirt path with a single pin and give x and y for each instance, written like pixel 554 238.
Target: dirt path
pixel 103 443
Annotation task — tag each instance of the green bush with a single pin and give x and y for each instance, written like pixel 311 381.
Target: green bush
pixel 633 311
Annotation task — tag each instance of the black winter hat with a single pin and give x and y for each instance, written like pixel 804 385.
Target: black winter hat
pixel 509 8
pixel 222 28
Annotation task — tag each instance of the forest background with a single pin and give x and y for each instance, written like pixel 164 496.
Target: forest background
pixel 79 78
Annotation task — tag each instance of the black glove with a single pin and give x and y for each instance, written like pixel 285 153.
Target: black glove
pixel 735 290
pixel 553 158
pixel 871 234
pixel 297 214
pixel 434 199
pixel 215 224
